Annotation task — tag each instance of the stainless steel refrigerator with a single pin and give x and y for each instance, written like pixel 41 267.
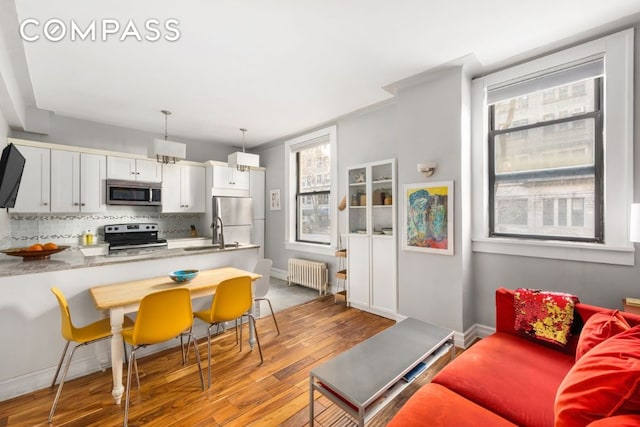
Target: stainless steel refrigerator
pixel 236 215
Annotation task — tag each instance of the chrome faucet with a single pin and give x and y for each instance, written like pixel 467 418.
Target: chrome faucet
pixel 218 238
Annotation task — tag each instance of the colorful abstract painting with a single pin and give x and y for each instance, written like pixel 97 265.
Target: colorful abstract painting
pixel 428 217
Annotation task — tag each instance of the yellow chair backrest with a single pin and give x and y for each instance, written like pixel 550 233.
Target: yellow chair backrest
pixel 232 299
pixel 163 315
pixel 65 316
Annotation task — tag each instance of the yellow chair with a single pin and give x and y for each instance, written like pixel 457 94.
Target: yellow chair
pixel 232 301
pixel 88 334
pixel 162 316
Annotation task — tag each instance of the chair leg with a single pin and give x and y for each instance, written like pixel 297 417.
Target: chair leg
pixel 135 366
pixel 253 319
pixel 273 315
pixel 195 348
pixel 64 375
pixel 64 353
pixel 132 361
pixel 209 353
pixel 182 349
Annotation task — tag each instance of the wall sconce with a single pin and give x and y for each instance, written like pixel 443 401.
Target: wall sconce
pixel 427 169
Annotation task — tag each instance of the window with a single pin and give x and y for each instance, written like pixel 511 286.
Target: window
pixel 574 167
pixel 534 156
pixel 312 198
pixel 310 192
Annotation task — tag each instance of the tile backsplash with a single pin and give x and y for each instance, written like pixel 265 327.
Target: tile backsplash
pixel 68 228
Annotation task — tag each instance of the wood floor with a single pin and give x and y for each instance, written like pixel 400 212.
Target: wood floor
pixel 243 393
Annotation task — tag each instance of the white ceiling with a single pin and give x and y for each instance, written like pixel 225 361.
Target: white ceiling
pixel 275 67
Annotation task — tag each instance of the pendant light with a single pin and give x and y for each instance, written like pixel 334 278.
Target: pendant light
pixel 166 151
pixel 243 161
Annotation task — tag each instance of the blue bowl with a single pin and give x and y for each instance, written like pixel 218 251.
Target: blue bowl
pixel 181 276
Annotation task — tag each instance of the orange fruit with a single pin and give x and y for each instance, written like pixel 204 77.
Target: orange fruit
pixel 35 247
pixel 50 246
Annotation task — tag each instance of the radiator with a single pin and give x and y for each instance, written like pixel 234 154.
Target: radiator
pixel 307 273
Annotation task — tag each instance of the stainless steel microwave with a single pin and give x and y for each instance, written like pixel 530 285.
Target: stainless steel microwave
pixel 134 193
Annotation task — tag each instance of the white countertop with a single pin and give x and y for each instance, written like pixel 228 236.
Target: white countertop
pixel 73 258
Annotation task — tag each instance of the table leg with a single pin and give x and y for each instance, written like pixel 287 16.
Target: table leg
pixel 311 420
pixel 252 332
pixel 117 320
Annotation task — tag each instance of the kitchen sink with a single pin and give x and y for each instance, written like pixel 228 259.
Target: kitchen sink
pixel 233 245
pixel 202 248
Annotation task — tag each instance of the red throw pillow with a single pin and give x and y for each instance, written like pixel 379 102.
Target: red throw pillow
pixel 603 383
pixel 598 328
pixel 543 315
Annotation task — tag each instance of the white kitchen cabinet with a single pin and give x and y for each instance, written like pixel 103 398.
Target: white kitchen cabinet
pixel 77 182
pixel 228 181
pixel 371 225
pixel 183 188
pixel 133 169
pixel 34 191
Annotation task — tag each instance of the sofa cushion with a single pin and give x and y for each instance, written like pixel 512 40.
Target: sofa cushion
pixel 511 376
pixel 434 405
pixel 543 315
pixel 603 383
pixel 617 421
pixel 598 328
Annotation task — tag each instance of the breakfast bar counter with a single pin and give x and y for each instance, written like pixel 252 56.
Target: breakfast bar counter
pixel 73 258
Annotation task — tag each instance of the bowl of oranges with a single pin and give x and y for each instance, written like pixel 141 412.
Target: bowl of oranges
pixel 36 251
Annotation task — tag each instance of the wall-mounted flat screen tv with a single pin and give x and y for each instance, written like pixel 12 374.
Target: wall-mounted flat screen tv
pixel 11 167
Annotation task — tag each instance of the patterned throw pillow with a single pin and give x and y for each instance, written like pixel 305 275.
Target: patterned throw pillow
pixel 543 315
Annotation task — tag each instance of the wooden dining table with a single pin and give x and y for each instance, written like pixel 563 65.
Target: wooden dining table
pixel 124 297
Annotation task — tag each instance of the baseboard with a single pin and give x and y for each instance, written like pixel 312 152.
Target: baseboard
pixel 475 332
pixel 279 274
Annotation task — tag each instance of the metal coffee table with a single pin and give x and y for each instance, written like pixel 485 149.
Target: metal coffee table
pixel 365 378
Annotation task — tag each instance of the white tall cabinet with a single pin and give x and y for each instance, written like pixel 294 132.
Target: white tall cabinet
pixel 371 222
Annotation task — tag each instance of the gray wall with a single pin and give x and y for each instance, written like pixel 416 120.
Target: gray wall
pixel 422 123
pixel 83 133
pixel 429 121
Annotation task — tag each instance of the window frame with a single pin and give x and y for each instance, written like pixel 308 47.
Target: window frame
pixel 597 169
pixel 300 194
pixel 618 51
pixel 292 146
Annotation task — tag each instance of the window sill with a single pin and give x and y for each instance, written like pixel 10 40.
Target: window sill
pixel 568 251
pixel 310 248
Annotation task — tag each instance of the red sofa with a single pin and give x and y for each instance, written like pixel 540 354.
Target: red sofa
pixel 510 379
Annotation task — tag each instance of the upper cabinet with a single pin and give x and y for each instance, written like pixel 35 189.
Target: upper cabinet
pixel 34 192
pixel 228 181
pixel 77 182
pixel 134 169
pixel 183 188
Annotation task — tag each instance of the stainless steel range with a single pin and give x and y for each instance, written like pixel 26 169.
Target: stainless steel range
pixel 133 236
